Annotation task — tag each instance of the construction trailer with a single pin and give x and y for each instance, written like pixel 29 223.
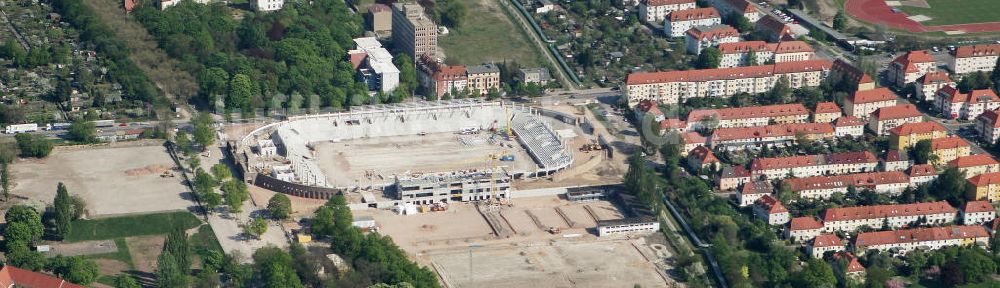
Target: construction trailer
pixel 21 128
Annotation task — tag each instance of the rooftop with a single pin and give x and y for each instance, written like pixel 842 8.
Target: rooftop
pixel 977 50
pixel 919 235
pixel 693 14
pixel 869 179
pixel 827 107
pixel 896 112
pixel 978 206
pixel 917 128
pixel 727 73
pixel 827 240
pixel 777 130
pixel 874 95
pixel 749 112
pixel 805 223
pixel 886 211
pixel 972 161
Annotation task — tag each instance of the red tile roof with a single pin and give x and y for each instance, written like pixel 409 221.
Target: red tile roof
pixel 886 211
pixel 851 72
pixel 693 14
pixel 792 47
pixel 870 179
pixel 356 58
pixel 991 116
pixel 735 172
pixel 666 2
pixel 757 187
pixel 978 206
pixel 853 266
pixel 845 121
pixel 985 179
pixel 717 31
pixel 922 170
pixel 917 128
pixel 827 107
pixel 935 77
pixel 771 205
pixel 827 240
pixel 813 160
pixel 673 124
pixel 646 105
pixel 130 5
pixel 974 96
pixel 805 223
pixel 919 235
pixel 972 161
pixel 744 47
pixel 693 137
pixel 874 95
pixel 450 73
pixel 11 276
pixel 950 142
pixel 741 5
pixel 703 154
pixel 896 112
pixel 909 60
pixel 778 130
pixel 726 73
pixel 774 26
pixel 896 155
pixel 769 111
pixel 977 50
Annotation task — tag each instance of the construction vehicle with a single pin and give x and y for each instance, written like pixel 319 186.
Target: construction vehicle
pixel 507 158
pixel 554 230
pixel 437 207
pixel 591 147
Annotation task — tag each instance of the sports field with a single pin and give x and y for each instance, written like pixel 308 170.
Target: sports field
pixel 948 12
pixel 487 35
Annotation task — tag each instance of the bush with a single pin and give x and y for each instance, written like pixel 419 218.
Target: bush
pixel 33 145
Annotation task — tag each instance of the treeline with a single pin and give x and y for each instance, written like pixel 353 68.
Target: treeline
pixel 38 56
pixel 113 51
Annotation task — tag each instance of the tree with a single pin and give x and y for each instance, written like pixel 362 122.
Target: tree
pixel 126 281
pixel 5 180
pixel 32 145
pixel 168 274
pixel 62 211
pixel 780 93
pixel 816 273
pixel 22 257
pixel 256 227
pixel 279 206
pixel 709 58
pixel 752 58
pixel 950 186
pixel 240 92
pixel 204 134
pixel 453 13
pixel 221 172
pixel 30 221
pixel 75 269
pixel 83 131
pixel 840 20
pixel 235 193
pixel 177 245
pixel 738 21
pixel 407 72
pixel 923 153
pixel 995 76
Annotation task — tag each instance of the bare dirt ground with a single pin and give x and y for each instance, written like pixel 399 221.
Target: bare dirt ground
pixel 111 267
pixel 145 250
pixel 824 9
pixel 112 180
pixel 301 207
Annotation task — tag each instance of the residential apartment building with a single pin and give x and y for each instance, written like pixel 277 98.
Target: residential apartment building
pixel 692 140
pixel 921 174
pixel 538 76
pixel 801 229
pixel 896 160
pixel 910 66
pixel 375 68
pixel 849 126
pixel 886 118
pixel 738 54
pixel 977 212
pixel 988 126
pixel 702 158
pixel 928 85
pixel 814 165
pixel 727 7
pixel 859 79
pixel 654 11
pixel 775 30
pixel 984 187
pixel 441 79
pixel 753 190
pixel 681 21
pixel 732 177
pixel 791 51
pixel 849 219
pixel 968 106
pixel 822 187
pixel 824 243
pixel 770 210
pixel 700 37
pixel 968 59
pixel 779 134
pixel 826 112
pixel 268 5
pixel 862 103
pixel 907 135
pixel 747 116
pixel 482 78
pixel 900 242
pixel 973 165
pixel 413 32
pixel 949 148
pixel 675 87
pixel 11 277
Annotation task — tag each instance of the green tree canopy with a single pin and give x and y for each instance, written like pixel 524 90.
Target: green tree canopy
pixel 279 206
pixel 83 131
pixel 709 58
pixel 33 145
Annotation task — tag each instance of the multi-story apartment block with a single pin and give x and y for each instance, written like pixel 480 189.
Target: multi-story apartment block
pixel 908 67
pixel 984 187
pixel 727 7
pixel 482 78
pixel 675 87
pixel 441 79
pixel 375 67
pixel 779 134
pixel 886 118
pixel 859 79
pixel 907 135
pixel 654 11
pixel 753 190
pixel 928 85
pixel 747 116
pixel 770 210
pixel 921 173
pixel 814 165
pixel 848 219
pixel 968 59
pixel 826 112
pixel 380 19
pixel 802 229
pixel 413 32
pixel 268 5
pixel 700 37
pixel 988 126
pixel 973 165
pixel 681 21
pixel 896 160
pixel 949 148
pixel 822 187
pixel 824 243
pixel 692 140
pixel 733 177
pixel 862 103
pixel 977 212
pixel 900 242
pixel 738 54
pixel 968 106
pixel 791 51
pixel 775 30
pixel 849 126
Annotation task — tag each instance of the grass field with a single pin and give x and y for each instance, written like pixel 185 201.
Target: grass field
pixel 946 12
pixel 487 35
pixel 128 226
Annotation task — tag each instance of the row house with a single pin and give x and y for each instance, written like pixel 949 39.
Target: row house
pixel 896 160
pixel 732 177
pixel 654 11
pixel 968 59
pixel 908 67
pixel 928 85
pixel 801 229
pixel 848 219
pixel 770 210
pixel 984 187
pixel 862 103
pixel 700 37
pixel 740 53
pixel 900 242
pixel 826 112
pixel 957 105
pixel 973 165
pixel 814 165
pixel 753 190
pixel 908 135
pixel 728 7
pixel 824 243
pixel 747 116
pixel 921 174
pixel 950 148
pixel 681 21
pixel 823 187
pixel 988 126
pixel 778 134
pixel 674 87
pixel 886 118
pixel 849 126
pixel 860 80
pixel 977 212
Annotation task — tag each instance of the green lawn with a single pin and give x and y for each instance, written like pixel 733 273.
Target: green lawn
pixel 128 226
pixel 946 12
pixel 205 238
pixel 122 254
pixel 487 35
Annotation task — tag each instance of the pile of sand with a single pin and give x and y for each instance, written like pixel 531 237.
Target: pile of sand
pixel 151 169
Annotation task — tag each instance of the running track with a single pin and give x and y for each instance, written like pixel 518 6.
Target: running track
pixel 877 12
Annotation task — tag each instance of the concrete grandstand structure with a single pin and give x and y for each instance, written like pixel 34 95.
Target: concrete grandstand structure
pixel 300 138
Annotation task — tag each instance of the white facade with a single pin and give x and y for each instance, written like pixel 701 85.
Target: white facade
pixel 268 5
pixel 266 147
pixel 978 218
pixel 379 70
pixel 21 128
pixel 652 13
pixel 677 27
pixel 894 222
pixel 626 227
